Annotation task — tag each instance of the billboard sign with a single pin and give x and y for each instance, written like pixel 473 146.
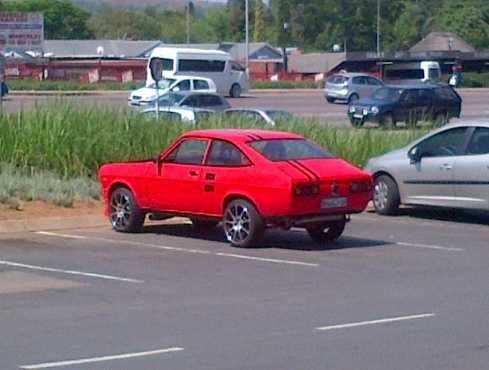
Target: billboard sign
pixel 21 31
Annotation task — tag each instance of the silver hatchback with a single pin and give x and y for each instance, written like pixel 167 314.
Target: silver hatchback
pixel 448 167
pixel 350 87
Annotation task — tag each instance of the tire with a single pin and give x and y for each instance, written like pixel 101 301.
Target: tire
pixel 387 121
pixel 235 91
pixel 386 197
pixel 330 100
pixel 352 98
pixel 203 224
pixel 243 225
pixel 124 212
pixel 328 232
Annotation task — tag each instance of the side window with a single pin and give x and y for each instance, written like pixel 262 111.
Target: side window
pixel 183 85
pixel 213 101
pixel 237 67
pixel 359 80
pixel 191 101
pixel 223 153
pixel 373 81
pixel 201 85
pixel 479 143
pixel 444 144
pixel 190 151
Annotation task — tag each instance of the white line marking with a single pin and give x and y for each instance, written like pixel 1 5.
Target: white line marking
pixel 373 322
pixel 426 246
pixel 287 262
pixel 69 272
pixel 184 250
pixel 101 359
pixel 48 233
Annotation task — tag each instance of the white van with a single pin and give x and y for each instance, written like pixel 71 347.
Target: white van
pixel 229 77
pixel 412 72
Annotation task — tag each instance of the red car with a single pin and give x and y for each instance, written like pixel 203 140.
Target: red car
pixel 249 179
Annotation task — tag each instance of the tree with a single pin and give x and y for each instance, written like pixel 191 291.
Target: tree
pixel 62 19
pixel 259 29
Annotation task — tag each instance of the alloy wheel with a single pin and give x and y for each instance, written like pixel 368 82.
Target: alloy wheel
pixel 120 210
pixel 237 223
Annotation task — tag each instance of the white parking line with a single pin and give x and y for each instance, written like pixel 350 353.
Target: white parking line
pixel 428 246
pixel 70 272
pixel 184 250
pixel 48 365
pixel 374 322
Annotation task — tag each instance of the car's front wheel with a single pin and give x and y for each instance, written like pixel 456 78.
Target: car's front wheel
pixel 327 232
pixel 386 197
pixel 124 212
pixel 242 223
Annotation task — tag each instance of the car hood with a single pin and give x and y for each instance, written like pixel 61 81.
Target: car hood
pixel 147 93
pixel 376 163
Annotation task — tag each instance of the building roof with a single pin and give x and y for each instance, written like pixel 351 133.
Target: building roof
pixel 97 48
pixel 443 41
pixel 315 62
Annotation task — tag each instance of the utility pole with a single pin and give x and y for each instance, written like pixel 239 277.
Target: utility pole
pixel 247 37
pixel 378 28
pixel 188 21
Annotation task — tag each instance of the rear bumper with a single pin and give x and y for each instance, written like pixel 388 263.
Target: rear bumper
pixel 337 94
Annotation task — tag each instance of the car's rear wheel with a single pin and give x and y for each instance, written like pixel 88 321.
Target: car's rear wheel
pixel 353 98
pixel 242 223
pixel 327 232
pixel 386 197
pixel 203 224
pixel 387 121
pixel 330 100
pixel 235 91
pixel 124 212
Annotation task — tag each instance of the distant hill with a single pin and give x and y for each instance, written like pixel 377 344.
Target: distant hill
pixel 93 4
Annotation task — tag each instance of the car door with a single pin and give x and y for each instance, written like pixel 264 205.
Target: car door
pixel 177 186
pixel 407 105
pixel 424 105
pixel 226 170
pixel 430 179
pixel 200 85
pixel 471 172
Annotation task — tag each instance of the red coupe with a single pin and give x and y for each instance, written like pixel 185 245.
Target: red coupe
pixel 249 179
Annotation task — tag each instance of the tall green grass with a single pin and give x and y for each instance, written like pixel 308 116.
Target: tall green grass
pixel 74 142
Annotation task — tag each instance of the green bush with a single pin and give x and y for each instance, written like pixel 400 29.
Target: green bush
pixel 31 85
pixel 286 85
pixel 474 79
pixel 74 143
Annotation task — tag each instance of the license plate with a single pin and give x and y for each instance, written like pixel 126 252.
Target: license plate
pixel 358 115
pixel 334 202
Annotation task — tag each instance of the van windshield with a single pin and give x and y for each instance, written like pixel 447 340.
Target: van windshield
pixel 387 93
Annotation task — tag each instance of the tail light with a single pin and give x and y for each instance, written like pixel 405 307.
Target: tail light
pixel 363 186
pixel 306 189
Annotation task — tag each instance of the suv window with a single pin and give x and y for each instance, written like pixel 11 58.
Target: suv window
pixel 190 151
pixel 444 144
pixel 201 85
pixel 479 143
pixel 223 153
pixel 446 93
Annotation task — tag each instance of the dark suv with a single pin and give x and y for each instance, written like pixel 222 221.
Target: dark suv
pixel 410 104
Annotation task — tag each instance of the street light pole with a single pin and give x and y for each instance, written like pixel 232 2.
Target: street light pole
pixel 378 28
pixel 188 22
pixel 247 38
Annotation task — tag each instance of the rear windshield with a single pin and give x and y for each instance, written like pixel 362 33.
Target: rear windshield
pixel 387 93
pixel 337 79
pixel 405 74
pixel 289 149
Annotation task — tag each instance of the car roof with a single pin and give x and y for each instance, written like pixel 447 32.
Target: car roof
pixel 353 74
pixel 242 135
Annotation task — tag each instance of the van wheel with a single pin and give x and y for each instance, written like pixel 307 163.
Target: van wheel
pixel 387 121
pixel 235 91
pixel 124 212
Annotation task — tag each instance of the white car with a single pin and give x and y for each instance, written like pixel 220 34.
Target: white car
pixel 147 95
pixel 186 115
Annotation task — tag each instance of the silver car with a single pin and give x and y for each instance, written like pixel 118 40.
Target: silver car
pixel 350 87
pixel 267 116
pixel 448 167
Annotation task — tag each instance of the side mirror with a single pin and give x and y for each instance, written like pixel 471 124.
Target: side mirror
pixel 415 155
pixel 176 89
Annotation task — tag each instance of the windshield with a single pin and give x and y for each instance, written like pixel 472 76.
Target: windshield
pixel 337 79
pixel 278 114
pixel 289 149
pixel 163 84
pixel 387 93
pixel 169 99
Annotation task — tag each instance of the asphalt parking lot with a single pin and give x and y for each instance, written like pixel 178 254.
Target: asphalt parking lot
pixel 406 292
pixel 305 103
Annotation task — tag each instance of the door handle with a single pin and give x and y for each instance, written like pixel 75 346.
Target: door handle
pixel 446 167
pixel 210 176
pixel 193 173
